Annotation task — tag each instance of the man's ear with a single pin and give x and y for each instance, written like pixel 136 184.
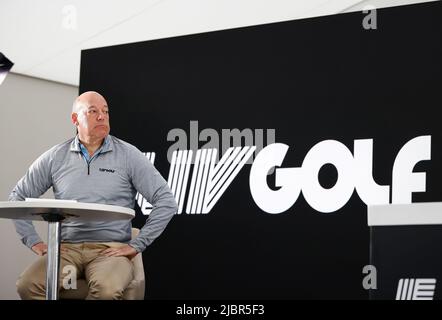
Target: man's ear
pixel 74 118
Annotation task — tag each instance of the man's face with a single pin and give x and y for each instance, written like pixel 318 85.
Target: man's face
pixel 93 119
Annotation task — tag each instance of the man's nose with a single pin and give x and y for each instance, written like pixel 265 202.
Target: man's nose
pixel 101 115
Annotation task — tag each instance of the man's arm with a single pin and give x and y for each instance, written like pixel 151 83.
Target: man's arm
pixel 33 184
pixel 152 186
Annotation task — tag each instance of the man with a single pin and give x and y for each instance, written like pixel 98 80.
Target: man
pixel 93 167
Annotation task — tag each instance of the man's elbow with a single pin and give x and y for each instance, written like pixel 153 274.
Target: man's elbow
pixel 167 200
pixel 13 196
pixel 174 205
pixel 170 202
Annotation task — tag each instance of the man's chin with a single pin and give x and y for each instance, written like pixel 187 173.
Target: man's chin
pixel 101 133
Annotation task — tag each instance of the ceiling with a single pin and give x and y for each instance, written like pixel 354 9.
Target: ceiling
pixel 44 38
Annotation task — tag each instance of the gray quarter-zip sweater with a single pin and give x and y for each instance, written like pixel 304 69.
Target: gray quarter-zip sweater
pixel 112 177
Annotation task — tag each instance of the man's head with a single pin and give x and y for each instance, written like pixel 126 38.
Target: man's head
pixel 90 114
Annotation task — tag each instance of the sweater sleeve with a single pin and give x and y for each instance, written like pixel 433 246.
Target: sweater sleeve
pixel 33 184
pixel 152 186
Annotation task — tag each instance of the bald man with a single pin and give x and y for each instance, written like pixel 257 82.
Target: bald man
pixel 93 167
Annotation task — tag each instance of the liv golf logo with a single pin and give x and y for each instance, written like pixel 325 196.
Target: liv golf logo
pixel 416 289
pixel 200 178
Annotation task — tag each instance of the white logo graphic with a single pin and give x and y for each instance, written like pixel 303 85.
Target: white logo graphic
pixel 416 289
pixel 210 179
pixel 354 171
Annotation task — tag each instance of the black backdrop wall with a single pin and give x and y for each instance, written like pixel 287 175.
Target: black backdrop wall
pixel 310 80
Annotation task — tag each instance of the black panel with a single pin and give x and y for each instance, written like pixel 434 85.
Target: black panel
pixel 310 80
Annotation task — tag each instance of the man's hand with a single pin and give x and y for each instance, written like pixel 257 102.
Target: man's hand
pixel 124 251
pixel 40 248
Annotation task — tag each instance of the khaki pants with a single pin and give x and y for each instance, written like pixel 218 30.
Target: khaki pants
pixel 107 277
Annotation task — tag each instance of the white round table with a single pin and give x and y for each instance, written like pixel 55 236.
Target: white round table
pixel 55 212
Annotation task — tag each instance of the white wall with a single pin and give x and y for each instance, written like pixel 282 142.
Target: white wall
pixel 44 38
pixel 382 4
pixel 34 116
